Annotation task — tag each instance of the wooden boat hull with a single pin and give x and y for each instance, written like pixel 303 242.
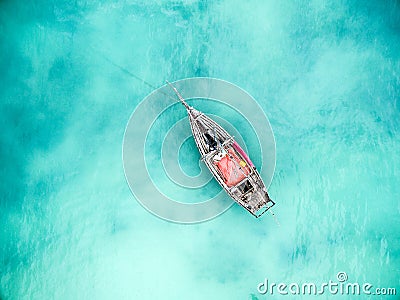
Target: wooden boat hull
pixel 248 190
pixel 228 162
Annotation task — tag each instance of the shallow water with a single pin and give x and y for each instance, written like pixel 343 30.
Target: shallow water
pixel 327 75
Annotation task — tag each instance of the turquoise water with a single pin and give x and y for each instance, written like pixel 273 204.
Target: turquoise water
pixel 326 73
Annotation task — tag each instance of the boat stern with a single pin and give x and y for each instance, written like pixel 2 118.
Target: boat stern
pixel 253 198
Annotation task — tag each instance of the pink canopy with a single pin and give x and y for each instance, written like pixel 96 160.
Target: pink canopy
pixel 232 168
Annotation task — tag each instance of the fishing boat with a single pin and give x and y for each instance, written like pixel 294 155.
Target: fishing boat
pixel 228 162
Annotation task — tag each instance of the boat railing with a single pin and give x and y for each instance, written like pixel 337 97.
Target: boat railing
pixel 264 208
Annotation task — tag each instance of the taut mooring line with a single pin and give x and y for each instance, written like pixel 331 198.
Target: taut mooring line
pixel 129 73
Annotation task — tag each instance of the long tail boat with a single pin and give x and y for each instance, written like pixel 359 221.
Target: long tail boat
pixel 228 162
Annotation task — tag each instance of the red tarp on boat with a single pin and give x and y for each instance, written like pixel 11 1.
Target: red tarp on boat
pixel 232 168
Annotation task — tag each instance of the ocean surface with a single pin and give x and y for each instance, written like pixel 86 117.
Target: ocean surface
pixel 325 73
